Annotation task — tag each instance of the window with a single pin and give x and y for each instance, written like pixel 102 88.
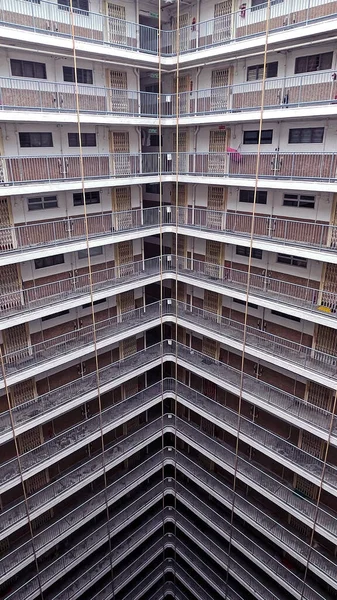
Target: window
pixel 252 137
pixel 152 188
pixel 87 139
pixel 248 196
pixel 28 68
pixel 256 72
pixel 243 251
pixel 294 261
pixel 55 315
pixel 78 5
pixel 36 140
pixel 42 202
pixel 83 75
pixel 306 135
pixel 256 4
pixel 315 62
pixel 299 200
pixel 244 303
pixel 49 261
pixel 95 302
pixel 90 198
pixel 92 251
pixel 290 317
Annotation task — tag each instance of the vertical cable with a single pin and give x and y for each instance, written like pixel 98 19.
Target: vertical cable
pixel 161 286
pixel 236 459
pixel 176 259
pixel 82 176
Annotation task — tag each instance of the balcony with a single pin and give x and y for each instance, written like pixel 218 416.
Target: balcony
pixel 96 535
pixel 251 547
pixel 305 238
pixel 35 301
pixel 75 438
pixel 250 510
pixel 227 168
pixel 53 352
pixel 58 100
pixel 264 483
pixel 266 442
pixel 102 31
pixel 288 407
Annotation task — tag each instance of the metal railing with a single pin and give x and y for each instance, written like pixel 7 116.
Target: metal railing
pixel 78 286
pixel 44 352
pixel 251 511
pixel 49 96
pixel 293 166
pixel 46 17
pixel 66 230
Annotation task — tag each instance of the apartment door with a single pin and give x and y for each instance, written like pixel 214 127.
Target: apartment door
pixel 117 33
pixel 120 150
pixel 220 90
pixel 184 33
pixel 7 235
pixel 124 258
pixel 181 162
pixel 117 82
pixel 217 151
pixel 319 396
pixel 215 207
pixel 222 21
pixel 179 200
pixel 128 347
pixel 213 259
pixel 333 235
pixel 328 288
pixel 325 340
pixel 210 347
pixel 121 206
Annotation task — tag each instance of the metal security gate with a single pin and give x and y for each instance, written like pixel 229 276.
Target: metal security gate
pixel 184 85
pixel 213 259
pixel 222 21
pixel 124 258
pixel 328 287
pixel 128 347
pixel 117 24
pixel 219 91
pixel 184 33
pixel 10 287
pixel 125 304
pixel 7 235
pixel 179 199
pixel 210 347
pixel 16 342
pixel 181 158
pixel 118 84
pixel 211 304
pixel 120 149
pixel 319 396
pixel 325 340
pixel 121 201
pixel 215 207
pixel 217 150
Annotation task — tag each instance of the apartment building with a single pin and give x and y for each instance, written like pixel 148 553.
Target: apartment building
pixel 168 233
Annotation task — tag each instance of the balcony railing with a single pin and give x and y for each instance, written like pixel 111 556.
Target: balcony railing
pixel 56 20
pixel 257 548
pixel 256 436
pixel 68 230
pixel 80 435
pixel 278 165
pixel 35 355
pixel 50 96
pixel 304 297
pixel 250 510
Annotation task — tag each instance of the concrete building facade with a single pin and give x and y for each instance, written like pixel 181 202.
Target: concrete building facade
pixel 168 300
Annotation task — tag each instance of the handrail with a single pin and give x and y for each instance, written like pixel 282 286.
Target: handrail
pixel 55 20
pixel 52 96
